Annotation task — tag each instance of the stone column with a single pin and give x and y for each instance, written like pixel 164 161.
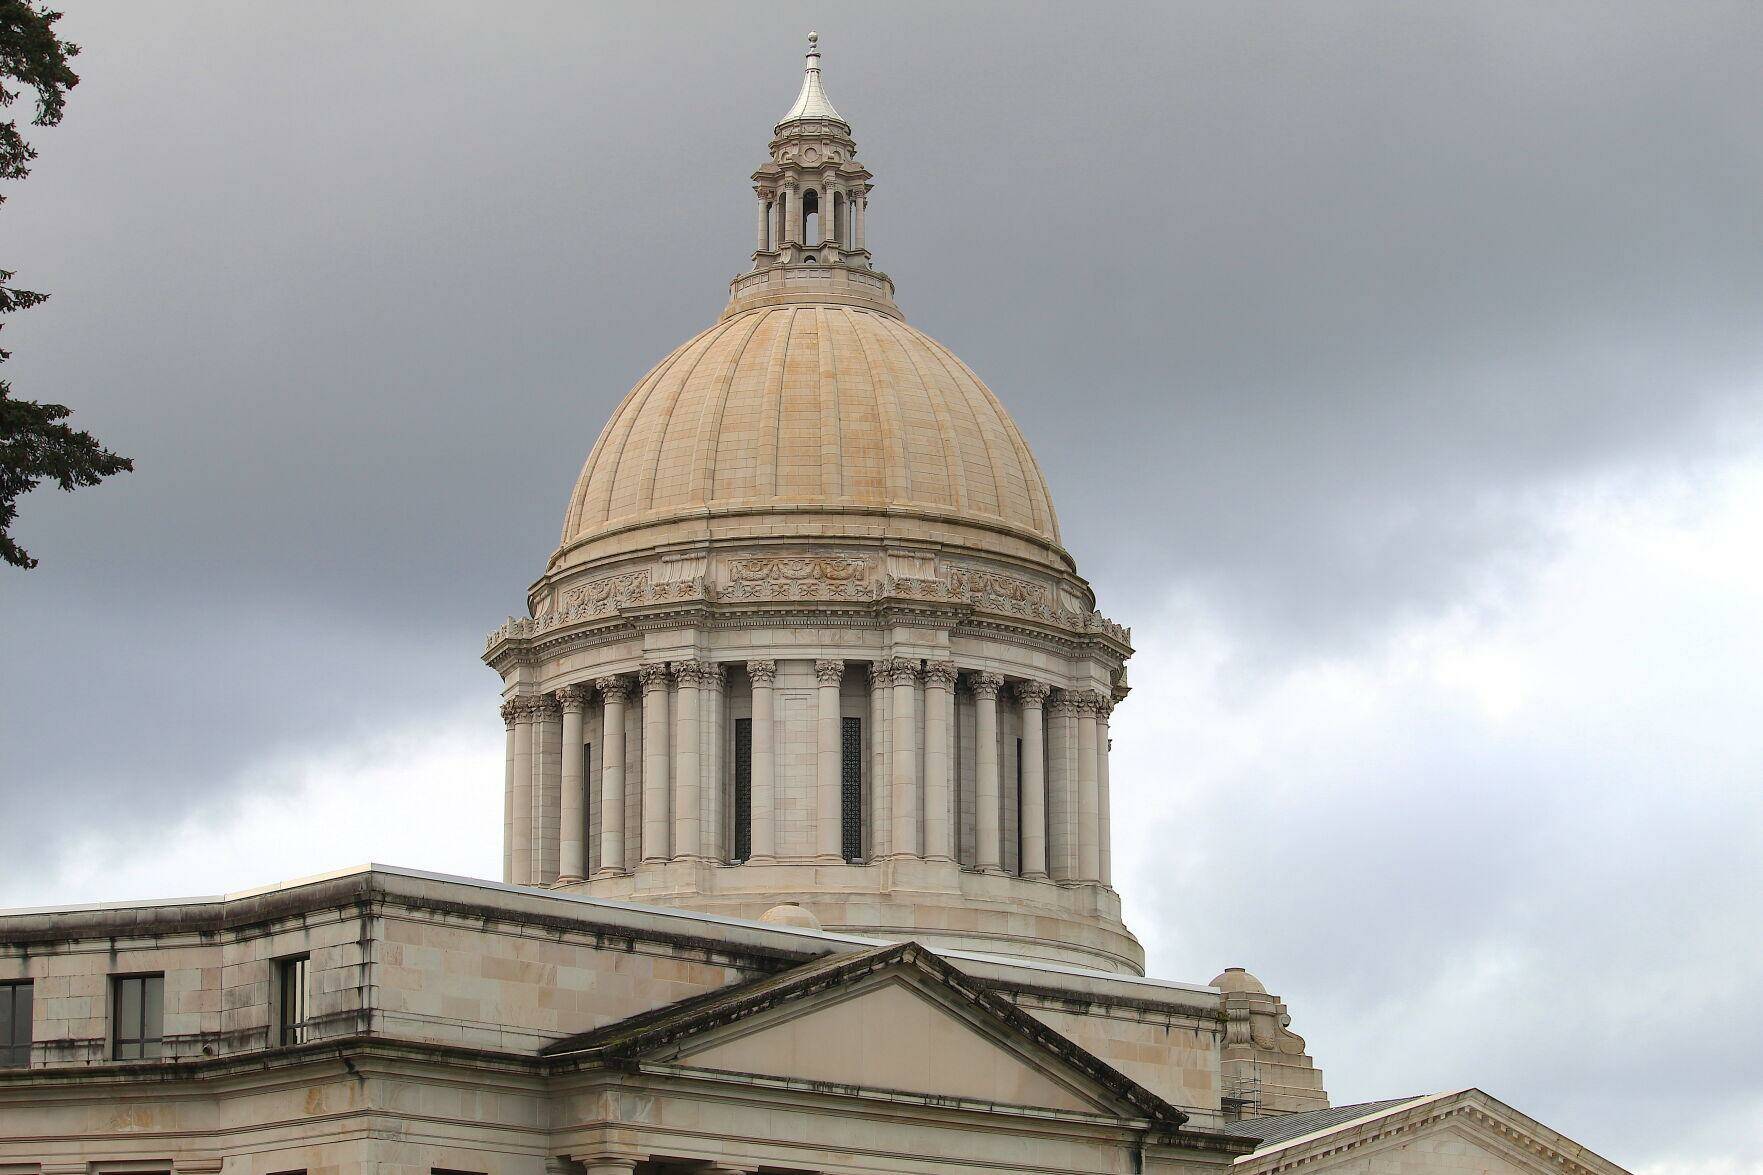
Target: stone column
pixel 687 765
pixel 939 716
pixel 657 734
pixel 603 1165
pixel 798 218
pixel 1061 787
pixel 989 783
pixel 881 834
pixel 712 676
pixel 547 789
pixel 762 798
pixel 614 693
pixel 1104 823
pixel 510 710
pixel 572 836
pixel 760 243
pixel 904 797
pixel 525 712
pixel 829 829
pixel 1087 828
pixel 1033 817
pixel 857 221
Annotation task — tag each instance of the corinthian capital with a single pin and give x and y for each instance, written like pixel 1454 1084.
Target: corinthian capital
pixel 572 698
pixel 987 685
pixel 1065 702
pixel 829 672
pixel 902 671
pixel 940 673
pixel 762 672
pixel 654 676
pixel 712 675
pixel 1104 705
pixel 510 712
pixel 1032 693
pixel 686 672
pixel 614 689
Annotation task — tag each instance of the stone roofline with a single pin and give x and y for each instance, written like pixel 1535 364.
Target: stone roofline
pixel 769 942
pixel 1492 1116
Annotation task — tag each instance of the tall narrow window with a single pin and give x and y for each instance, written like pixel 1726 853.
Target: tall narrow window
pixel 1019 806
pixel 743 788
pixel 770 241
pixel 137 1024
pixel 291 1012
pixel 15 1024
pixel 851 786
pixel 811 217
pixel 783 219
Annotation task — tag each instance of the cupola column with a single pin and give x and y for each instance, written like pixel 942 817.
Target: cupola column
pixel 763 784
pixel 712 677
pixel 614 693
pixel 1033 696
pixel 989 784
pixel 687 765
pixel 903 802
pixel 829 831
pixel 1088 805
pixel 571 843
pixel 760 242
pixel 1061 798
pixel 523 791
pixel 857 223
pixel 510 711
pixel 939 715
pixel 881 833
pixel 547 790
pixel 656 739
pixel 1104 824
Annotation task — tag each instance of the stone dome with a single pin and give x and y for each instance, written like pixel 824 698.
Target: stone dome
pixel 1237 980
pixel 841 415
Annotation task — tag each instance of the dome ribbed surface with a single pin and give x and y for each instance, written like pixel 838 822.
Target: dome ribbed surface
pixel 810 404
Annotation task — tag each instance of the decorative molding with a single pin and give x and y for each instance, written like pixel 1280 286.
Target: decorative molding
pixel 762 672
pixel 797 577
pixel 829 672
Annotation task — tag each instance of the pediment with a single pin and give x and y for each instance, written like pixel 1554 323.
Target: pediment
pixel 893 1034
pixel 894 1020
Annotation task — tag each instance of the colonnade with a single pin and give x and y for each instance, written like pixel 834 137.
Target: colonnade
pixel 782 217
pixel 1055 780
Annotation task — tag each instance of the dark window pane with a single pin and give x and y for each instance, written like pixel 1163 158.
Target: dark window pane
pixel 153 1009
pixel 743 788
pixel 851 786
pixel 7 995
pixel 128 1009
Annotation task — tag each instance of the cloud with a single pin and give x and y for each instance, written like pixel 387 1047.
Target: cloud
pixel 1511 847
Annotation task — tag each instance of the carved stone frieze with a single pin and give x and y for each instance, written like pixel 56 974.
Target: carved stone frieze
pixel 797 577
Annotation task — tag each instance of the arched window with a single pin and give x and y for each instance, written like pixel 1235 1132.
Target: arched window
pixel 841 219
pixel 811 217
pixel 770 241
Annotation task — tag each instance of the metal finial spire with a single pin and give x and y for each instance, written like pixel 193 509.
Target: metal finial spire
pixel 812 101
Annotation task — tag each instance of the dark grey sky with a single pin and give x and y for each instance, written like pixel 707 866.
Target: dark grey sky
pixel 1342 330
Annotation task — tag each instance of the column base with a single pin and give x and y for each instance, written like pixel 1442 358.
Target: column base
pixel 606 871
pixel 567 879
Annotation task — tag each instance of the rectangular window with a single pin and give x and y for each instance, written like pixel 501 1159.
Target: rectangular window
pixel 15 1024
pixel 137 1022
pixel 851 786
pixel 291 1013
pixel 743 788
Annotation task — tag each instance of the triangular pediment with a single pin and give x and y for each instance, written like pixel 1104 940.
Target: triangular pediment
pixel 894 1034
pixel 895 1020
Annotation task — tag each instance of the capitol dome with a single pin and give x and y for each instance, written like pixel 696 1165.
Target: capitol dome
pixel 810 644
pixel 837 416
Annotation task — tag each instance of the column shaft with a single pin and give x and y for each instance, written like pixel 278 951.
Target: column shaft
pixel 904 733
pixel 1061 843
pixel 614 693
pixel 1088 806
pixel 760 241
pixel 857 232
pixel 939 821
pixel 657 734
pixel 547 790
pixel 988 782
pixel 829 830
pixel 687 765
pixel 1104 820
pixel 762 781
pixel 881 834
pixel 522 838
pixel 510 710
pixel 572 836
pixel 1033 816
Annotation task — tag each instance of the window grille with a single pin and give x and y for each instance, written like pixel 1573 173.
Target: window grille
pixel 15 1025
pixel 138 1020
pixel 743 788
pixel 851 786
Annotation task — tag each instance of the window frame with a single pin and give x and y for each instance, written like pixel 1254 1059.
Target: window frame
pixel 293 999
pixel 146 1048
pixel 16 1054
